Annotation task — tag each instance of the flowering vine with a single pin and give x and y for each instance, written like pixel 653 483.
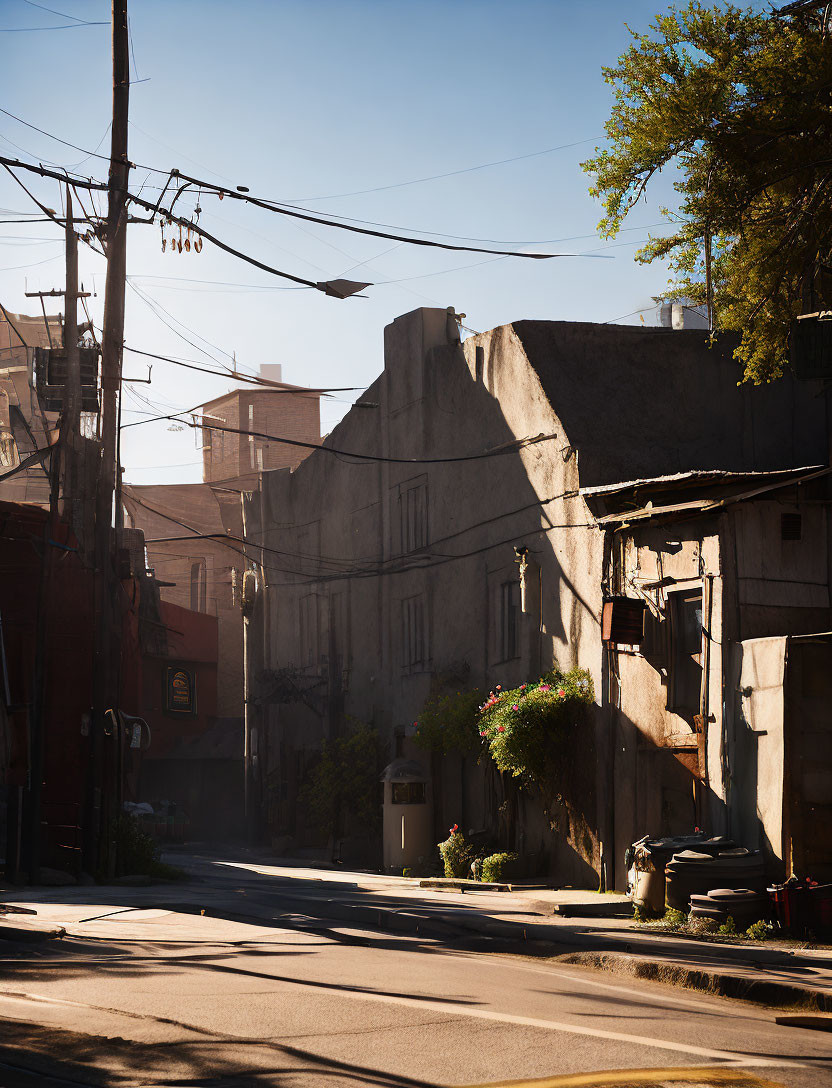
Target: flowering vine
pixel 527 729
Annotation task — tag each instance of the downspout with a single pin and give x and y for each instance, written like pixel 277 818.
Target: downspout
pixel 706 674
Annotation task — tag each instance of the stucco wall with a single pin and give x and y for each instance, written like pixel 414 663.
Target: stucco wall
pixel 339 568
pixel 337 525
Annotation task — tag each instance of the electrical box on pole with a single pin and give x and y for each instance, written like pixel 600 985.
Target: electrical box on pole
pixel 51 372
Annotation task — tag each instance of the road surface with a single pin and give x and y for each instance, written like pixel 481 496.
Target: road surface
pixel 153 998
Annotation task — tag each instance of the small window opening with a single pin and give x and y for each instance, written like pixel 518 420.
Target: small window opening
pixel 479 363
pixel 791 526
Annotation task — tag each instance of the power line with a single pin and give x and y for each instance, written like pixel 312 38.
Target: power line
pixel 155 306
pixel 75 147
pixel 448 174
pixel 52 11
pixel 29 29
pixel 509 447
pixel 280 208
pixel 253 380
pixel 229 539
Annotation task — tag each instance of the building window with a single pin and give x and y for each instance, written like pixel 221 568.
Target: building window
pixel 791 526
pixel 198 586
pixel 509 612
pixel 685 651
pixel 414 650
pixel 413 517
pixel 408 793
pixel 309 630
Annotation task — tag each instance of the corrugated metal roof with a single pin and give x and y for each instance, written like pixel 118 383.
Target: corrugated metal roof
pixel 695 476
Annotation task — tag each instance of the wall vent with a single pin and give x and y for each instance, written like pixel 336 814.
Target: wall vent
pixel 791 526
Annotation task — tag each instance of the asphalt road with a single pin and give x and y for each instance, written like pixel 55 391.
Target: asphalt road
pixel 308 1003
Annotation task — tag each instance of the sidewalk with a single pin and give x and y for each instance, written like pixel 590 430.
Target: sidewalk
pixel 234 900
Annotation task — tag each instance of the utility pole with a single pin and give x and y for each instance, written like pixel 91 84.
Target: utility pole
pixel 101 791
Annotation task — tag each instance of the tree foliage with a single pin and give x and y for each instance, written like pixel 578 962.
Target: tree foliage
pixel 448 722
pixel 344 782
pixel 740 104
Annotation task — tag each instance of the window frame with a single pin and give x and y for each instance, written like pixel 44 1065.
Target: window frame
pixel 680 656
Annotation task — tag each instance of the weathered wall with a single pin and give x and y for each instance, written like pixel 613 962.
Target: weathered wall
pixel 666 780
pixel 340 616
pixel 343 568
pixel 669 401
pixel 756 754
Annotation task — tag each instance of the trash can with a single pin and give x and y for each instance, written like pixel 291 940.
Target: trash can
pixel 408 819
pixel 646 861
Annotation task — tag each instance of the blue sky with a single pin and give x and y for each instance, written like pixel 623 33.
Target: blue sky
pixel 312 99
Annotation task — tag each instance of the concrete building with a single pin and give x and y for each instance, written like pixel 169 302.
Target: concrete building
pixel 389 574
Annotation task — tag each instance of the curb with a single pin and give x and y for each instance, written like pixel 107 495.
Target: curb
pixel 512 937
pixel 720 983
pixel 30 931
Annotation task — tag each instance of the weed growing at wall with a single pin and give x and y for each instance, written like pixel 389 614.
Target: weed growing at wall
pixel 530 730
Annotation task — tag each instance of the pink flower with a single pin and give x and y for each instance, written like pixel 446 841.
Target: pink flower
pixel 561 693
pixel 499 687
pixel 522 687
pixel 545 687
pixel 515 707
pixel 501 729
pixel 482 734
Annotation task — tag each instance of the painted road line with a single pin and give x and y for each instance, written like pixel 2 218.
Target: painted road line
pixel 488 1015
pixel 629 1078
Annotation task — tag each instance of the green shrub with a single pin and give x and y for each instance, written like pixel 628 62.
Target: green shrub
pixel 729 927
pixel 499 868
pixel 527 729
pixel 760 931
pixel 448 722
pixel 457 854
pixel 137 852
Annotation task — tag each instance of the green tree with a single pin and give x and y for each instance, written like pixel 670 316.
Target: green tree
pixel 344 782
pixel 740 105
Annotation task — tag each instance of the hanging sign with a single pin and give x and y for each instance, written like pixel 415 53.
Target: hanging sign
pixel 180 690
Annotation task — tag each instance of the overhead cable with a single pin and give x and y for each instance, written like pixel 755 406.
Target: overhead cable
pixel 252 380
pixel 498 451
pixel 285 209
pixel 448 174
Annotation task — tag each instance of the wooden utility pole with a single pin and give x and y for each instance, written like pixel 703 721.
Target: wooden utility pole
pixel 100 812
